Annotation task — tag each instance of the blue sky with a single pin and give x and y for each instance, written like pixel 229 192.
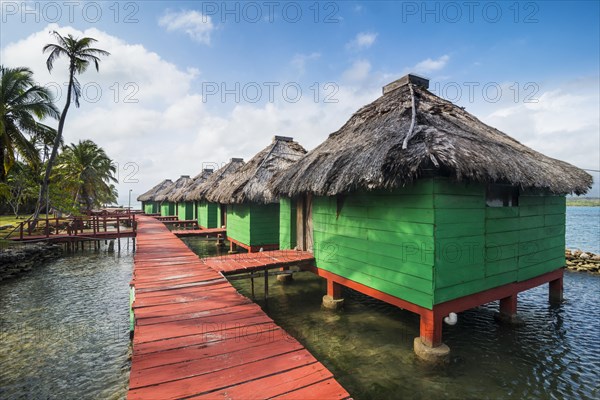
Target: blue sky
pixel 158 106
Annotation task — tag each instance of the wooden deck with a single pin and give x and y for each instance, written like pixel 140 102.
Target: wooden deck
pixel 61 238
pixel 250 262
pixel 210 232
pixel 197 337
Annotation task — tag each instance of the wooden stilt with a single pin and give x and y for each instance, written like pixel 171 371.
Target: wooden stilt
pixel 334 289
pixel 556 291
pixel 431 328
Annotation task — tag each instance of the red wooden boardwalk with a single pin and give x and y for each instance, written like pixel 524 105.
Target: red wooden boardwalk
pixel 197 337
pixel 248 262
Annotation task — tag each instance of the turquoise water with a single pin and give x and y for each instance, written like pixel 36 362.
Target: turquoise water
pixel 583 228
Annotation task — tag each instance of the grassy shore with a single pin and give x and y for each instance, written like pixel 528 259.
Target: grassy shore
pixel 583 202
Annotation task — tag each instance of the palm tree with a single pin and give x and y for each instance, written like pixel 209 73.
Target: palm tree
pixel 86 173
pixel 80 55
pixel 21 102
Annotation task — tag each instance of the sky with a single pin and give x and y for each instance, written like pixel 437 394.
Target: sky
pixel 190 84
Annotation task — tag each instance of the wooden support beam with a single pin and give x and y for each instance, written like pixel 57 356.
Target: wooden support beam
pixel 555 290
pixel 431 328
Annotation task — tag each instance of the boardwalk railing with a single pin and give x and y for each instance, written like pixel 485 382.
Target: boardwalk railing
pixel 75 226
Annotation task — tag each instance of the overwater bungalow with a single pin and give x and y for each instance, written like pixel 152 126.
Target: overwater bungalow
pixel 167 197
pixel 149 203
pixel 209 214
pixel 416 202
pixel 185 209
pixel 166 208
pixel 252 209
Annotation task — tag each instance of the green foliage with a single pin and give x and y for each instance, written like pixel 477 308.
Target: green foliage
pixel 584 202
pixel 83 177
pixel 21 186
pixel 21 103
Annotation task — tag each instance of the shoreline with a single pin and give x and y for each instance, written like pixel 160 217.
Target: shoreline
pixel 19 259
pixel 582 261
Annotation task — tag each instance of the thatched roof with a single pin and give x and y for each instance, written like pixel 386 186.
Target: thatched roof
pixel 183 193
pixel 373 150
pixel 199 191
pixel 164 194
pixel 250 182
pixel 150 194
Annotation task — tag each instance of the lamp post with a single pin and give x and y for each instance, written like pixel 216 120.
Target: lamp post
pixel 129 208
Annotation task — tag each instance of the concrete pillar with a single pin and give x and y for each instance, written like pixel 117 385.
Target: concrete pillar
pixel 556 291
pixel 285 278
pixel 508 311
pixel 333 299
pixel 428 346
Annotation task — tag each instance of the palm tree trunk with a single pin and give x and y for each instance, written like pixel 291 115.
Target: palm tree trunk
pixel 61 123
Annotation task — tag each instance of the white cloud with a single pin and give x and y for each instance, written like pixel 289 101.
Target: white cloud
pixel 299 61
pixel 358 71
pixel 170 131
pixel 193 23
pixel 363 40
pixel 430 65
pixel 563 123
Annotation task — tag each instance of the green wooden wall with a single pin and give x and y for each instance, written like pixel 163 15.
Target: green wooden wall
pixel 287 224
pixel 435 240
pixel 167 209
pixel 208 214
pixel 185 210
pixel 150 207
pixel 480 247
pixel 383 240
pixel 253 224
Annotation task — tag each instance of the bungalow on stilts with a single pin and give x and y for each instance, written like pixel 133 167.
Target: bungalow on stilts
pixel 252 209
pixel 416 202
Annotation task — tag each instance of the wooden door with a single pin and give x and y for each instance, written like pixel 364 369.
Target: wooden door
pixel 304 225
pixel 223 209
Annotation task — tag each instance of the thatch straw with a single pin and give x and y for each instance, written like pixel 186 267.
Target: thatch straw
pixel 164 194
pixel 249 183
pixel 366 153
pixel 198 190
pixel 182 193
pixel 150 194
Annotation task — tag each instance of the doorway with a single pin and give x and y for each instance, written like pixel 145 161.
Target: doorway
pixel 304 224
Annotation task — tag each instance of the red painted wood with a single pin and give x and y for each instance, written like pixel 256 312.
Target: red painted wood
pixel 334 289
pixel 556 290
pixel 508 305
pixel 321 390
pixel 196 334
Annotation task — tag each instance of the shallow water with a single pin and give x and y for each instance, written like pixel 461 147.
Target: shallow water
pixel 583 228
pixel 64 329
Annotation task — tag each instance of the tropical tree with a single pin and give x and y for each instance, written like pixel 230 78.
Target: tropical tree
pixel 80 54
pixel 21 102
pixel 22 183
pixel 85 172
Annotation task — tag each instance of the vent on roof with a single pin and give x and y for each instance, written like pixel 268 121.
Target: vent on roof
pixel 405 80
pixel 185 176
pixel 283 138
pixel 237 159
pixel 207 170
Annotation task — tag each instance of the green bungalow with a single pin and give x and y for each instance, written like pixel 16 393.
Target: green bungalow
pixel 252 208
pixel 416 202
pixel 149 203
pixel 211 215
pixel 167 208
pixel 168 197
pixel 186 210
